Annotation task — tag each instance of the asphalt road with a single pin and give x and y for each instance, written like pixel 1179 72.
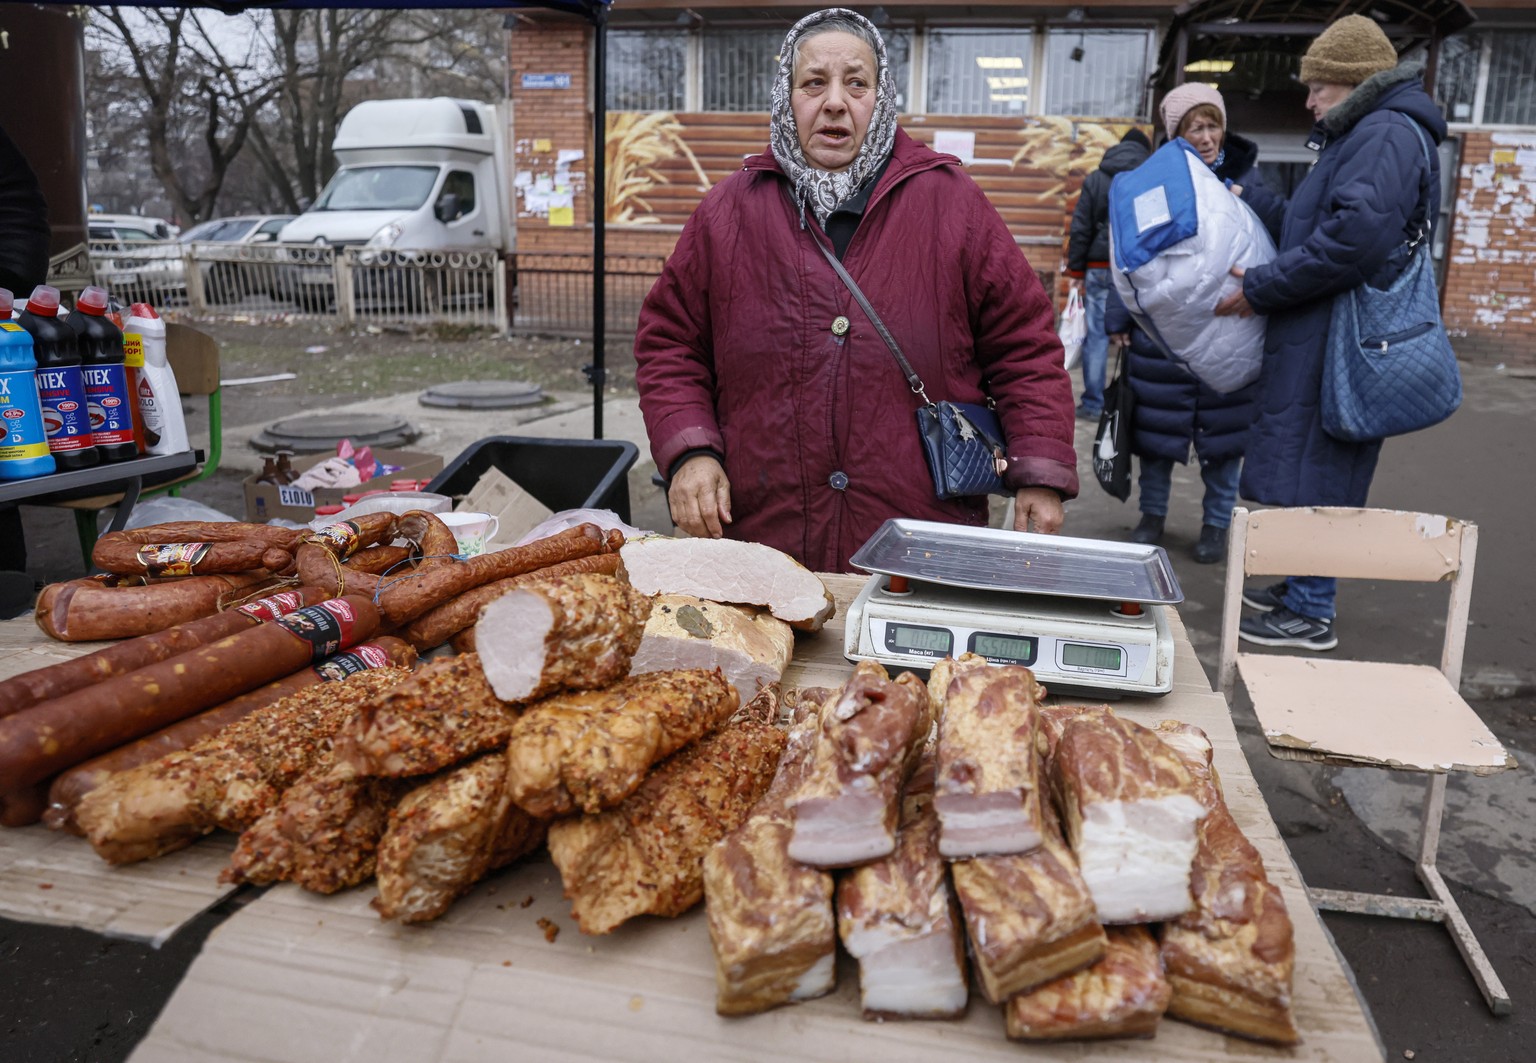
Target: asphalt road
pixel 71 995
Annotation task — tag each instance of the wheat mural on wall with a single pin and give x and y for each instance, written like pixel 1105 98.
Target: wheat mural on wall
pixel 636 143
pixel 1065 148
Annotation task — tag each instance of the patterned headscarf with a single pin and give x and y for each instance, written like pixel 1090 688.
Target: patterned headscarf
pixel 818 189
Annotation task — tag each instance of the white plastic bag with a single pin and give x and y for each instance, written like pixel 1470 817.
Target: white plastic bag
pixel 1074 328
pixel 606 519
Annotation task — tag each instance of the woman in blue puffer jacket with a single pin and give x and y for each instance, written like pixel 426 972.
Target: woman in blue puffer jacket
pixel 1372 193
pixel 1175 410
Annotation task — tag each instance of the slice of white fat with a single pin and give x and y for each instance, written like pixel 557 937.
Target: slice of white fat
pixel 900 974
pixel 511 637
pixel 1136 856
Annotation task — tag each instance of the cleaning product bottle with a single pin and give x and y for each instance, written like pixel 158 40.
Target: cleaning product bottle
pixel 24 444
pixel 165 426
pixel 133 361
pixel 60 387
pixel 106 381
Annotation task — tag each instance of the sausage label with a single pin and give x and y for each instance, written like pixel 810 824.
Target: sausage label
pixel 340 538
pixel 273 606
pixel 171 559
pixel 327 627
pixel 359 659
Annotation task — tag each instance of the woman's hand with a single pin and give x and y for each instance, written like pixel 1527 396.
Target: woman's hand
pixel 1038 506
pixel 1237 302
pixel 1120 339
pixel 700 497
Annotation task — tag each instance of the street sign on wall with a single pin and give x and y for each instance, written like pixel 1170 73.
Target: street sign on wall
pixel 546 81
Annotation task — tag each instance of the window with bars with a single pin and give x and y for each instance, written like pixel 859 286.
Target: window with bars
pixel 1101 74
pixel 1456 78
pixel 979 71
pixel 647 70
pixel 1511 94
pixel 738 67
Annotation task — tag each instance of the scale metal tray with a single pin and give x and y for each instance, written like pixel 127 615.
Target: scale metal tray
pixel 991 559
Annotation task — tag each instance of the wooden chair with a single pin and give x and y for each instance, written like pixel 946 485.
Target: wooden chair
pixel 194 358
pixel 1398 717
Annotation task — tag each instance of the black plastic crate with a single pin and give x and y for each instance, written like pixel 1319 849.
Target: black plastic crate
pixel 561 473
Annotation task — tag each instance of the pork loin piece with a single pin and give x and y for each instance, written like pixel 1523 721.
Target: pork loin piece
pixel 448 834
pixel 846 811
pixel 1030 917
pixel 752 648
pixel 898 918
pixel 445 713
pixel 1124 994
pixel 988 794
pixel 1230 960
pixel 565 632
pixel 725 570
pixel 646 856
pixel 588 750
pixel 770 919
pixel 1131 812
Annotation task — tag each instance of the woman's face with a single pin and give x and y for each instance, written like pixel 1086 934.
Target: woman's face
pixel 832 95
pixel 1324 96
pixel 1206 134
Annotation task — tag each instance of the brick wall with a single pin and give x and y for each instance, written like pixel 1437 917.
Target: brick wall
pixel 546 122
pixel 1490 282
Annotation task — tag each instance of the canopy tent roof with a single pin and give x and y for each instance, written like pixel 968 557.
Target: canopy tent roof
pixel 585 8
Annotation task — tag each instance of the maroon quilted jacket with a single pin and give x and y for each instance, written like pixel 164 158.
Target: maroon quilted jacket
pixel 737 353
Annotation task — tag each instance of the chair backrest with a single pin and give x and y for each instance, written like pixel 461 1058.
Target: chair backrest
pixel 1384 544
pixel 194 358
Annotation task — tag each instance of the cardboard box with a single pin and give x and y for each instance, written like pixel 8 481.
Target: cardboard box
pixel 515 510
pixel 265 501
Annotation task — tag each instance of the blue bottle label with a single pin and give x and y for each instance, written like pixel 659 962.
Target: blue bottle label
pixel 106 395
pixel 24 439
pixel 65 416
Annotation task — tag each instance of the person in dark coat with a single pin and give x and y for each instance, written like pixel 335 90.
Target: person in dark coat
pixel 1088 260
pixel 770 400
pixel 1372 192
pixel 1175 411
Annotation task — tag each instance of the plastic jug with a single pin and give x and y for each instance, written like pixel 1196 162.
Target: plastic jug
pixel 165 426
pixel 24 446
pixel 60 386
pixel 106 380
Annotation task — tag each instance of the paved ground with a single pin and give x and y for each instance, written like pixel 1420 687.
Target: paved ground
pixel 1348 828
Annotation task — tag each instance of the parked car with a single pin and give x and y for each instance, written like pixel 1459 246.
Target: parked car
pixel 135 258
pixel 229 275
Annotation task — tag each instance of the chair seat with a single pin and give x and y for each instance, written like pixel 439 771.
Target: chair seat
pixel 1401 716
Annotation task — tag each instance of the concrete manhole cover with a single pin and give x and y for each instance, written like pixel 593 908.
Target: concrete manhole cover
pixel 483 394
pixel 319 433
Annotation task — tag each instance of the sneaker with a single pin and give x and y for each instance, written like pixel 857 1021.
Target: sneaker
pixel 1281 627
pixel 1212 546
pixel 1149 531
pixel 1085 413
pixel 1265 599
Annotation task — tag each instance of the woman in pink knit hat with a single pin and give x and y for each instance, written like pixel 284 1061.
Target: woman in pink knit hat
pixel 1175 412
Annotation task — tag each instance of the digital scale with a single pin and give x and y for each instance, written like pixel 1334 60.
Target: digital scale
pixel 1085 615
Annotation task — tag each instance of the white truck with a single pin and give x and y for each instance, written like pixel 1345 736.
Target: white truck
pixel 417 175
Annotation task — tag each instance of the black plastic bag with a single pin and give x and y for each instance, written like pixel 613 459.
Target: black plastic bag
pixel 1112 442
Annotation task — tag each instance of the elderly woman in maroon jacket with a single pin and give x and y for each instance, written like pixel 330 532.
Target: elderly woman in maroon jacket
pixel 772 404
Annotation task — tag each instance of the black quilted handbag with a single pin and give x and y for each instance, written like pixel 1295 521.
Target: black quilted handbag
pixel 962 441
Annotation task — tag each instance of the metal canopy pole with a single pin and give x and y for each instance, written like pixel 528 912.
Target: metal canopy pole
pixel 599 371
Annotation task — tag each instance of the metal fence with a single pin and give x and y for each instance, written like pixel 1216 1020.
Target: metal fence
pixel 554 292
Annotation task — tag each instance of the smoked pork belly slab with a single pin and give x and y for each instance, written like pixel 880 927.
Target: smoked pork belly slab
pixel 1230 961
pixel 846 810
pixel 1124 994
pixel 898 918
pixel 770 919
pixel 1030 917
pixel 987 793
pixel 1131 813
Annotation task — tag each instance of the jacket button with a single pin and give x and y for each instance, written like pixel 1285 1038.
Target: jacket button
pixel 838 480
pixel 839 325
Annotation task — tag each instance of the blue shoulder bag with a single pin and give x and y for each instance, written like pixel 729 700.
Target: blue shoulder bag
pixel 1388 367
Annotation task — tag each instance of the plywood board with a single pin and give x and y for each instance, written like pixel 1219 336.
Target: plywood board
pixel 1403 716
pixel 298 978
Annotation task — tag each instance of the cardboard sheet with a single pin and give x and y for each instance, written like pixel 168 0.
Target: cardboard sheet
pixel 47 877
pixel 297 978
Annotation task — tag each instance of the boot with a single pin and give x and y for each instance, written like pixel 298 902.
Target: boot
pixel 1149 531
pixel 1212 546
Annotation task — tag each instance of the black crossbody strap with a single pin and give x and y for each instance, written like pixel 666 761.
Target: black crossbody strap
pixel 913 380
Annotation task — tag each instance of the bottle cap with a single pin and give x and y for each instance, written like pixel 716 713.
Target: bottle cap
pixel 350 499
pixel 7 301
pixel 328 510
pixel 402 485
pixel 92 301
pixel 44 301
pixel 143 310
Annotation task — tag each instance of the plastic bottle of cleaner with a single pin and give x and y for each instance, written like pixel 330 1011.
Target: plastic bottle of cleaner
pixel 106 381
pixel 60 387
pixel 24 445
pixel 133 361
pixel 165 426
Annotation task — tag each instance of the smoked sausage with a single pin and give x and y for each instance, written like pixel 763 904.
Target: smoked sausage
pixel 320 555
pixel 188 559
pixel 97 608
pixel 46 739
pixel 378 560
pixel 23 807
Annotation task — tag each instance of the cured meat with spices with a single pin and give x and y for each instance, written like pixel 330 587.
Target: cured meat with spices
pixel 737 573
pixel 752 648
pixel 846 811
pixel 646 856
pixel 1123 994
pixel 586 751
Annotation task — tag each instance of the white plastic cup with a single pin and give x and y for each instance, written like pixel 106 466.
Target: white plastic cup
pixel 471 530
